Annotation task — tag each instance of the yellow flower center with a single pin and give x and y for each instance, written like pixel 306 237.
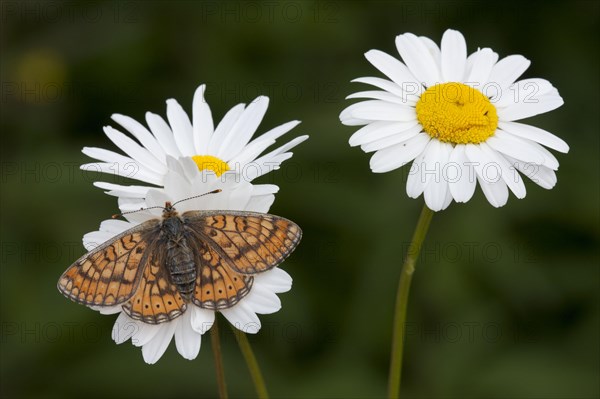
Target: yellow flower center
pixel 208 162
pixel 456 113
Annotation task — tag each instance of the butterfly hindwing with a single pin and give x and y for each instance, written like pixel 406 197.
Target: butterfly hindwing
pixel 109 274
pixel 249 242
pixel 217 286
pixel 156 299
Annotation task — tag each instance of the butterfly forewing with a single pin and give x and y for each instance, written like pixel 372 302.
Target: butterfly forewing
pixel 109 274
pixel 248 242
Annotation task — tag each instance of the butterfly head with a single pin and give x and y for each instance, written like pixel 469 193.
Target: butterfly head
pixel 169 210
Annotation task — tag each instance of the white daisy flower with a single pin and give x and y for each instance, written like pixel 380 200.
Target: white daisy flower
pixel 188 328
pixel 454 116
pixel 225 150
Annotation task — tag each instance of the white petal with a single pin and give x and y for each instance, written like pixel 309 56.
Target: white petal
pixel 158 198
pixel 353 121
pixel 182 127
pixel 448 200
pixel 151 209
pixel 174 165
pixel 398 155
pixel 272 160
pixel 433 48
pixel 136 204
pixel 223 128
pixel 177 186
pixel 190 168
pixel 482 63
pixel 485 166
pixel 145 333
pixel 508 70
pixel 287 146
pixel 540 175
pixel 108 310
pixel 94 239
pixel 454 56
pixel 187 340
pixel 153 350
pixel 415 183
pixel 119 165
pixel 536 134
pixel 114 226
pixel 276 280
pixel 278 131
pixel 140 132
pixel 462 185
pixel 436 186
pixel 545 178
pixel 262 300
pixel 203 127
pixel 257 146
pixel 124 328
pixel 488 176
pixel 391 67
pixel 134 150
pixel 378 130
pixel 523 110
pixel 376 110
pixel 244 128
pixel 521 149
pixel 123 191
pixel 105 155
pixel 549 159
pixel 496 192
pixel 242 318
pixel 384 96
pixel 131 170
pixel 513 146
pixel 393 139
pixel 388 86
pixel 239 197
pixel 523 92
pixel 201 319
pixel 418 58
pixel 261 203
pixel 510 176
pixel 163 134
pixel 263 189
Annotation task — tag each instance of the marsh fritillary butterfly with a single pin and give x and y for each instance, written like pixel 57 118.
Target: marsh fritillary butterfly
pixel 158 268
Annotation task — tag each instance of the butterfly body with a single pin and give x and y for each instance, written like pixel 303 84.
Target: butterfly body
pixel 180 261
pixel 201 258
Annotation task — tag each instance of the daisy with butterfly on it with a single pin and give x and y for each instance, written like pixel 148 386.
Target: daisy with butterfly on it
pixel 186 160
pixel 454 117
pixel 187 328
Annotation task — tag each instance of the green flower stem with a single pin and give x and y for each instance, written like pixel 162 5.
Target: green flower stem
pixel 216 346
pixel 402 301
pixel 259 382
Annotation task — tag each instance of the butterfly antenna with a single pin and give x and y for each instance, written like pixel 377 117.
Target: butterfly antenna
pixel 117 215
pixel 197 196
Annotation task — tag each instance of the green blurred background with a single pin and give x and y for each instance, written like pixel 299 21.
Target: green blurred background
pixel 505 302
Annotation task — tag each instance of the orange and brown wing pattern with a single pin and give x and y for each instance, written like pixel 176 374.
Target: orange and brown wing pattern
pixel 156 299
pixel 217 285
pixel 109 274
pixel 250 242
